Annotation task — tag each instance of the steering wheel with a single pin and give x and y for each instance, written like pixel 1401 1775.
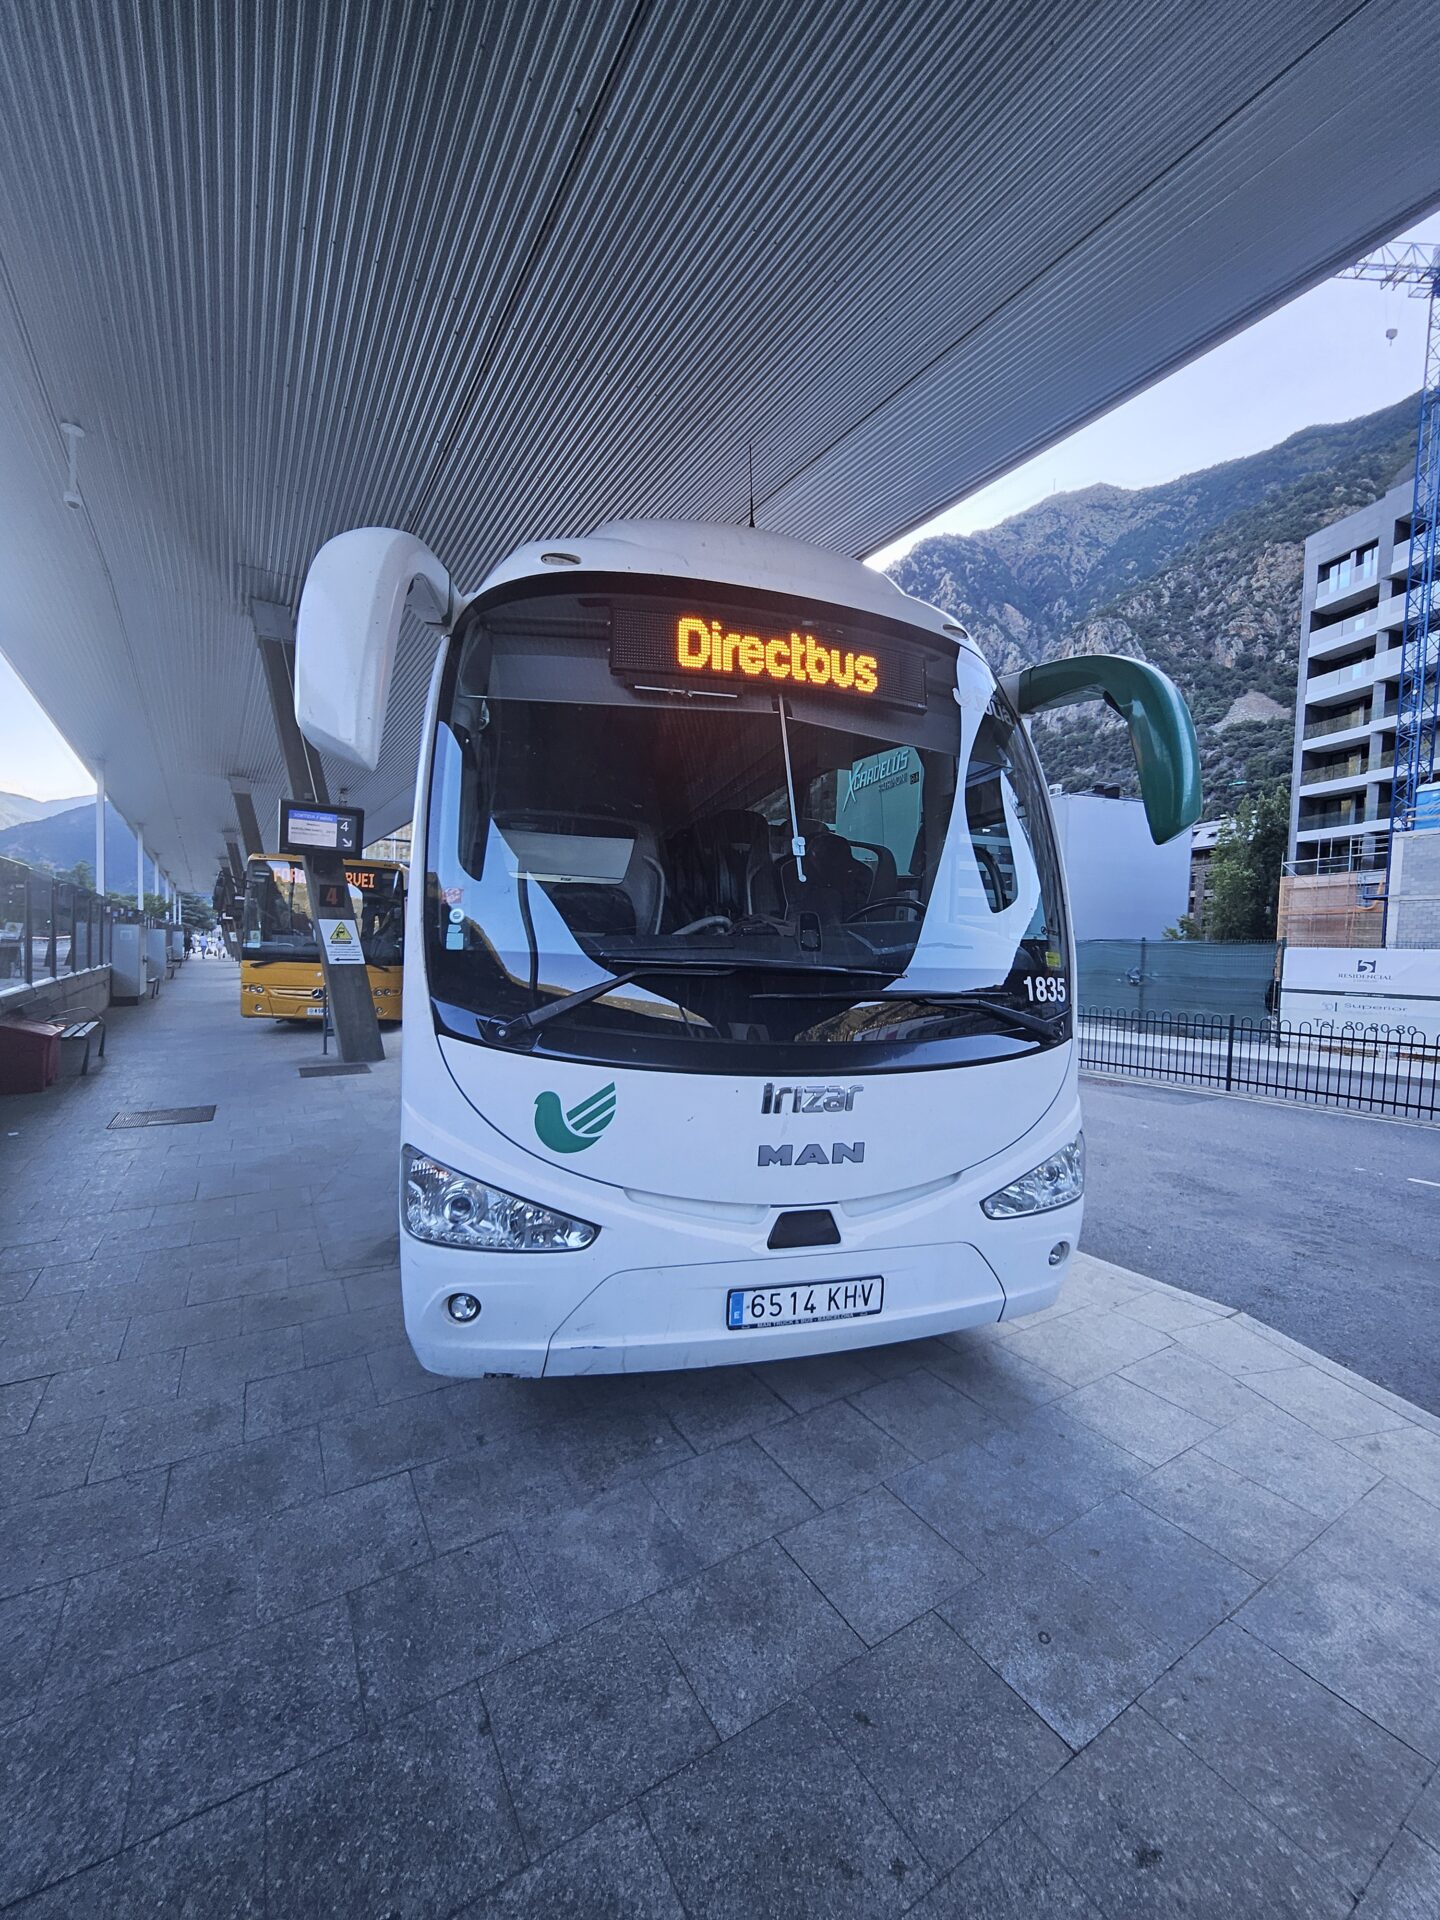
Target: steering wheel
pixel 889 900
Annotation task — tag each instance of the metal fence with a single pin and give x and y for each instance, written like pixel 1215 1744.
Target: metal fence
pixel 49 927
pixel 1177 976
pixel 1390 1070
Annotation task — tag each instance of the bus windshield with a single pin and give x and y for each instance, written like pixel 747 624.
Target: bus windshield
pixel 836 835
pixel 277 912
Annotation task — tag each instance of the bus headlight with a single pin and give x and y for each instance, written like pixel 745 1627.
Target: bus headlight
pixel 1054 1183
pixel 452 1210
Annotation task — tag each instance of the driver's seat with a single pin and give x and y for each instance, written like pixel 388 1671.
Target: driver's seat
pixel 722 864
pixel 836 884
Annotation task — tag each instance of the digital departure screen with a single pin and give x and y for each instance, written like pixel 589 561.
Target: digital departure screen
pixel 723 646
pixel 306 829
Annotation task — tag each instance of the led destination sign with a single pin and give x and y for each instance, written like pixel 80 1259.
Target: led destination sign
pixel 707 646
pixel 764 652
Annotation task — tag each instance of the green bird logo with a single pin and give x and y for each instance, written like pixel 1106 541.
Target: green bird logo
pixel 581 1127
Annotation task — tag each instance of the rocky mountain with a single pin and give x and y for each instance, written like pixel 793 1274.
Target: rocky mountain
pixel 1202 576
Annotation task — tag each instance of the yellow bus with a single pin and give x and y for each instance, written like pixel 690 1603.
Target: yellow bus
pixel 280 976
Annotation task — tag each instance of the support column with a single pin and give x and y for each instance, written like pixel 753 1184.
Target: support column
pixel 235 864
pixel 249 827
pixel 347 988
pixel 140 868
pixel 275 636
pixel 100 829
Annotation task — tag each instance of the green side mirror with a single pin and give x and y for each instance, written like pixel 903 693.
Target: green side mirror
pixel 1148 701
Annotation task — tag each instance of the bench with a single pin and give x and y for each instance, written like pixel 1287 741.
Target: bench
pixel 85 1030
pixel 172 961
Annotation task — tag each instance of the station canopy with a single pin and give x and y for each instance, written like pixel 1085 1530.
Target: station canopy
pixel 494 272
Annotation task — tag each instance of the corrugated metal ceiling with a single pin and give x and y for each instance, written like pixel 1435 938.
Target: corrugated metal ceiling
pixel 502 270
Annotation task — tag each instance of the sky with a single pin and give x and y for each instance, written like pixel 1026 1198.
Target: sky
pixel 34 759
pixel 1324 357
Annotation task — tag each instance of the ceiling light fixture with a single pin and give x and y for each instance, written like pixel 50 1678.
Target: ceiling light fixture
pixel 73 436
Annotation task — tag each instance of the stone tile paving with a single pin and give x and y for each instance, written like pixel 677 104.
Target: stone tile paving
pixel 1130 1609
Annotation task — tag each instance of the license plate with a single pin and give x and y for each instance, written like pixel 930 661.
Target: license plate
pixel 314 1013
pixel 795 1306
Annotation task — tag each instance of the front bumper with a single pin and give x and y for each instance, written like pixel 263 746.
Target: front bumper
pixel 599 1312
pixel 649 1293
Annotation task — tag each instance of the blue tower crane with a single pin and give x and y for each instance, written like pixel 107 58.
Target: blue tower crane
pixel 1415 789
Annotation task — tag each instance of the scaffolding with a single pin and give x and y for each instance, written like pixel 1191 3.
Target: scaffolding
pixel 1337 902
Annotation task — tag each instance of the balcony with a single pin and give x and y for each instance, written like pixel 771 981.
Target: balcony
pixel 1391 613
pixel 1348 721
pixel 1355 859
pixel 1350 581
pixel 1361 673
pixel 1325 641
pixel 1347 813
pixel 1405 555
pixel 1332 779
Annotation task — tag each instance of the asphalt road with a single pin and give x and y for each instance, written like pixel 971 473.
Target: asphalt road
pixel 1317 1222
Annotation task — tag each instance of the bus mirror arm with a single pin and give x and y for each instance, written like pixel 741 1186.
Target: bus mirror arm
pixel 1162 734
pixel 356 594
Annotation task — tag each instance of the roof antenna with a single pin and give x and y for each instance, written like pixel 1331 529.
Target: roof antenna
pixel 750 456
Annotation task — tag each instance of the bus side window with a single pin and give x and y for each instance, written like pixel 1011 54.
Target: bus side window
pixel 991 801
pixel 990 878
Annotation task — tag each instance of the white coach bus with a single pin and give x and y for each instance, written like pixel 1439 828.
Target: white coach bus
pixel 739 1013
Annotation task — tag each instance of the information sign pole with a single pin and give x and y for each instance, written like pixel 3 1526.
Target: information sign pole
pixel 321 836
pixel 347 980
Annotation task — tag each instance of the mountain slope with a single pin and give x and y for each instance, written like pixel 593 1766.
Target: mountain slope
pixel 15 808
pixel 61 840
pixel 1202 576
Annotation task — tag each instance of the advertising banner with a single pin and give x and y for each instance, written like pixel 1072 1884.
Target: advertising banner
pixel 1362 987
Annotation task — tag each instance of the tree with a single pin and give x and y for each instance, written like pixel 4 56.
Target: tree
pixel 196 911
pixel 1244 901
pixel 80 875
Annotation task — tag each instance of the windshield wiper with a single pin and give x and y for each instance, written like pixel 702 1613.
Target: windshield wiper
pixel 582 996
pixel 770 963
pixel 1040 1024
pixel 1043 1024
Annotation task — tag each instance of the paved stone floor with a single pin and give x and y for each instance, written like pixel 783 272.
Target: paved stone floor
pixel 1131 1609
pixel 1277 1210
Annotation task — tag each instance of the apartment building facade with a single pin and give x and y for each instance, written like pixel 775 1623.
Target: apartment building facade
pixel 1352 624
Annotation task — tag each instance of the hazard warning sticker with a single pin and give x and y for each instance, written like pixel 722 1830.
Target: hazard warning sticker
pixel 342 946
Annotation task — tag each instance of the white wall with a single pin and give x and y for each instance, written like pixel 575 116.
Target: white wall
pixel 1122 886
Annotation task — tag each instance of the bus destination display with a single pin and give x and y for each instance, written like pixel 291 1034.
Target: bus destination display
pixel 763 652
